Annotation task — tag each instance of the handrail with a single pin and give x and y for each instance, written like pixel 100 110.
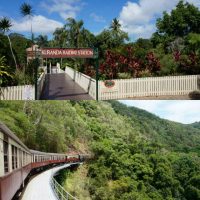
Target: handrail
pixel 60 192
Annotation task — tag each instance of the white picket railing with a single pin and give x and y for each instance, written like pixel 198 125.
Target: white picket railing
pixel 25 92
pixel 60 192
pixel 86 82
pixel 153 86
pixel 40 84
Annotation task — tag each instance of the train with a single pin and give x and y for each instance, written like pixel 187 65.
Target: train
pixel 17 162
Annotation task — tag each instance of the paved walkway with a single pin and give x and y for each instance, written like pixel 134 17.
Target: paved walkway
pixel 39 188
pixel 62 87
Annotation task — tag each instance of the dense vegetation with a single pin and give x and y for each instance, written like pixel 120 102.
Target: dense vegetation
pixel 174 49
pixel 136 155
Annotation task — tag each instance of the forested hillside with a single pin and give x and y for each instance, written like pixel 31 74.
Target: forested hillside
pixel 136 155
pixel 196 125
pixel 172 135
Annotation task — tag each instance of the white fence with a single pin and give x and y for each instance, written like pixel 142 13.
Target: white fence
pixel 86 82
pixel 25 92
pixel 138 87
pixel 145 87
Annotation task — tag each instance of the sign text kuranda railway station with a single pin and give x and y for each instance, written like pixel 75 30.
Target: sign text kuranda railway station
pixel 67 53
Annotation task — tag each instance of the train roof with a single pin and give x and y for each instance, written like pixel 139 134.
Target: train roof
pixel 44 153
pixel 9 133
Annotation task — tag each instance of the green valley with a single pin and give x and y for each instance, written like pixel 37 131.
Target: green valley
pixel 134 154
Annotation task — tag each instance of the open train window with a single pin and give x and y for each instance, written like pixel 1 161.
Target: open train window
pixel 16 163
pixel 14 157
pixel 5 152
pixel 24 159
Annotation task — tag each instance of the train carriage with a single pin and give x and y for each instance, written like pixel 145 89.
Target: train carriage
pixel 17 161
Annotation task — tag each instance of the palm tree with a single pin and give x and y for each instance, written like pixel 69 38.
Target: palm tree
pixel 76 28
pixel 5 26
pixel 42 40
pixel 27 10
pixel 60 36
pixel 117 34
pixel 115 26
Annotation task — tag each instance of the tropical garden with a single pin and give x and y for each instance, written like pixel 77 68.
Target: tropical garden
pixel 174 49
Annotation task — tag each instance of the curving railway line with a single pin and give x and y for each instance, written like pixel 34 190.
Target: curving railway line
pixel 18 162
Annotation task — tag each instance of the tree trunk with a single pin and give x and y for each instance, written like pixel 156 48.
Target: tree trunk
pixel 12 51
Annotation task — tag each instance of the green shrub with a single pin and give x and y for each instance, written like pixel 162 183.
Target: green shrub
pixel 168 65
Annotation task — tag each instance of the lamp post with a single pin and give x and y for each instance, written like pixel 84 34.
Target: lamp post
pixel 96 57
pixel 36 63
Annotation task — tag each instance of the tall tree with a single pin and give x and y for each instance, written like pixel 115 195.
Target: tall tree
pixel 60 37
pixel 27 11
pixel 118 35
pixel 75 28
pixel 5 26
pixel 184 19
pixel 115 26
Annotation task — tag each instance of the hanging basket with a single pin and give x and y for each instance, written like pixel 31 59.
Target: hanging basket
pixel 109 83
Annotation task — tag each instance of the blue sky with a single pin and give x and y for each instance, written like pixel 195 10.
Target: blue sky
pixel 136 16
pixel 179 111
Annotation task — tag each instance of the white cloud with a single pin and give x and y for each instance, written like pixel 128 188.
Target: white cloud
pixel 41 25
pixel 180 111
pixel 65 8
pixel 138 19
pixel 149 106
pixel 184 111
pixel 97 18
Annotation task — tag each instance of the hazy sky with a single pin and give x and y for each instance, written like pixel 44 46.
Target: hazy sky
pixel 138 17
pixel 180 111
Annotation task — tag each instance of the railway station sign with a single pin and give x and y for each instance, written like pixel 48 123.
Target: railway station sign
pixel 68 53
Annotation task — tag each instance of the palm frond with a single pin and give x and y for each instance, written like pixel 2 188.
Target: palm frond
pixel 5 24
pixel 26 9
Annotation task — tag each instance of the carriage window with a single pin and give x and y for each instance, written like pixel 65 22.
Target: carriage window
pixel 24 158
pixel 16 163
pixel 14 157
pixel 5 151
pixel 20 157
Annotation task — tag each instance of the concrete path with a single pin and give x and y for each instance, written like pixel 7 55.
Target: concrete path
pixel 62 87
pixel 39 187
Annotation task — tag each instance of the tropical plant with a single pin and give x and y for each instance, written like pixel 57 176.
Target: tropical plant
pixel 75 29
pixel 5 26
pixel 194 42
pixel 3 67
pixel 4 71
pixel 118 35
pixel 60 37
